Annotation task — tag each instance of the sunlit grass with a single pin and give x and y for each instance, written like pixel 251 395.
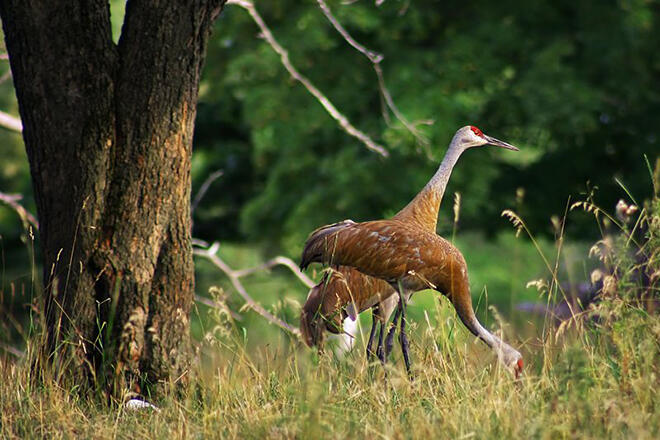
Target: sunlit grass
pixel 584 386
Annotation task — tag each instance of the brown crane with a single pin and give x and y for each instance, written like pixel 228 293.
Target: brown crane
pixel 407 253
pixel 344 292
pixel 338 293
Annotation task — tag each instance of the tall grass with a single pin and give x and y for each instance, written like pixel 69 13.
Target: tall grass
pixel 594 376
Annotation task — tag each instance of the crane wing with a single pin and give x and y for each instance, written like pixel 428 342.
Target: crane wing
pixel 387 249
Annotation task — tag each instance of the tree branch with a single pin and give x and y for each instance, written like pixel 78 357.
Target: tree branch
pixel 12 350
pixel 210 303
pixel 375 58
pixel 210 253
pixel 279 261
pixel 343 122
pixel 26 217
pixel 204 188
pixel 10 123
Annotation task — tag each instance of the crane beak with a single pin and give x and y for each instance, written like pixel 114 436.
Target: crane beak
pixel 499 143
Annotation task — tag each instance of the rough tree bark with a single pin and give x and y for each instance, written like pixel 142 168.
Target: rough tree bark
pixel 108 132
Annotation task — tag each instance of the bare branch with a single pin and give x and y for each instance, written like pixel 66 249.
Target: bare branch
pixel 204 188
pixel 11 123
pixel 12 350
pixel 279 261
pixel 211 254
pixel 216 305
pixel 325 102
pixel 411 127
pixel 375 58
pixel 5 76
pixel 12 200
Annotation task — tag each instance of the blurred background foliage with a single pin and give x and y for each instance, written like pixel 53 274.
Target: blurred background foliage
pixel 573 84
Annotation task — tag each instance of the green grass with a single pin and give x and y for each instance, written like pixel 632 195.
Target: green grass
pixel 587 385
pixel 595 377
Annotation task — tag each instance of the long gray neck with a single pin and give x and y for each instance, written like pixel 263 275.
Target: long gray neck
pixel 438 183
pixel 423 209
pixel 504 351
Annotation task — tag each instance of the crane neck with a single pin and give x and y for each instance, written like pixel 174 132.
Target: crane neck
pixel 423 209
pixel 505 353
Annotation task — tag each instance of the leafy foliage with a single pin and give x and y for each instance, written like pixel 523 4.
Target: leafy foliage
pixel 572 84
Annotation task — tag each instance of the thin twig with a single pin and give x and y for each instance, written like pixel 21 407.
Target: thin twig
pixel 12 200
pixel 211 254
pixel 216 305
pixel 10 122
pixel 375 58
pixel 12 350
pixel 281 261
pixel 5 76
pixel 204 188
pixel 323 100
pixel 276 261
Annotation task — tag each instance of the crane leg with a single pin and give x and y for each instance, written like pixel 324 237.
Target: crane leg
pixel 389 341
pixel 403 339
pixel 374 323
pixel 381 350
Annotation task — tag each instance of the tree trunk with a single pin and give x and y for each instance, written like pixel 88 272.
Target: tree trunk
pixel 108 133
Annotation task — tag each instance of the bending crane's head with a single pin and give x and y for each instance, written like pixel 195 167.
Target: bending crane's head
pixel 470 136
pixel 319 313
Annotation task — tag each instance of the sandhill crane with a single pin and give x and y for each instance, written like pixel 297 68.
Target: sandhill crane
pixel 421 211
pixel 407 253
pixel 344 292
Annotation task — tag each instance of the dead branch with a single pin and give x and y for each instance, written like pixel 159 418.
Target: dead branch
pixel 216 305
pixel 12 350
pixel 10 122
pixel 204 188
pixel 211 253
pixel 311 88
pixel 5 76
pixel 26 217
pixel 375 58
pixel 279 261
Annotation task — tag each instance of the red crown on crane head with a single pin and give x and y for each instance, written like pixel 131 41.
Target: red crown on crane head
pixel 476 131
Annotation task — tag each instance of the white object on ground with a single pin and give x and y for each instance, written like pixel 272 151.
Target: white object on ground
pixel 140 404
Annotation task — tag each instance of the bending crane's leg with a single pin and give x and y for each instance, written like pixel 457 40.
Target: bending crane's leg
pixel 374 323
pixel 403 339
pixel 389 341
pixel 381 350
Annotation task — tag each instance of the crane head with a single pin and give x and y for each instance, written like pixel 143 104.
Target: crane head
pixel 471 136
pixel 512 360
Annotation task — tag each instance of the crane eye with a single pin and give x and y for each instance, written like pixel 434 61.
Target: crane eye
pixel 476 131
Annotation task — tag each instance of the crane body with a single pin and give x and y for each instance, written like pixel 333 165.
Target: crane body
pixel 407 256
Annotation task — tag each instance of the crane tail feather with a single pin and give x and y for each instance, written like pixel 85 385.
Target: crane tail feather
pixel 316 244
